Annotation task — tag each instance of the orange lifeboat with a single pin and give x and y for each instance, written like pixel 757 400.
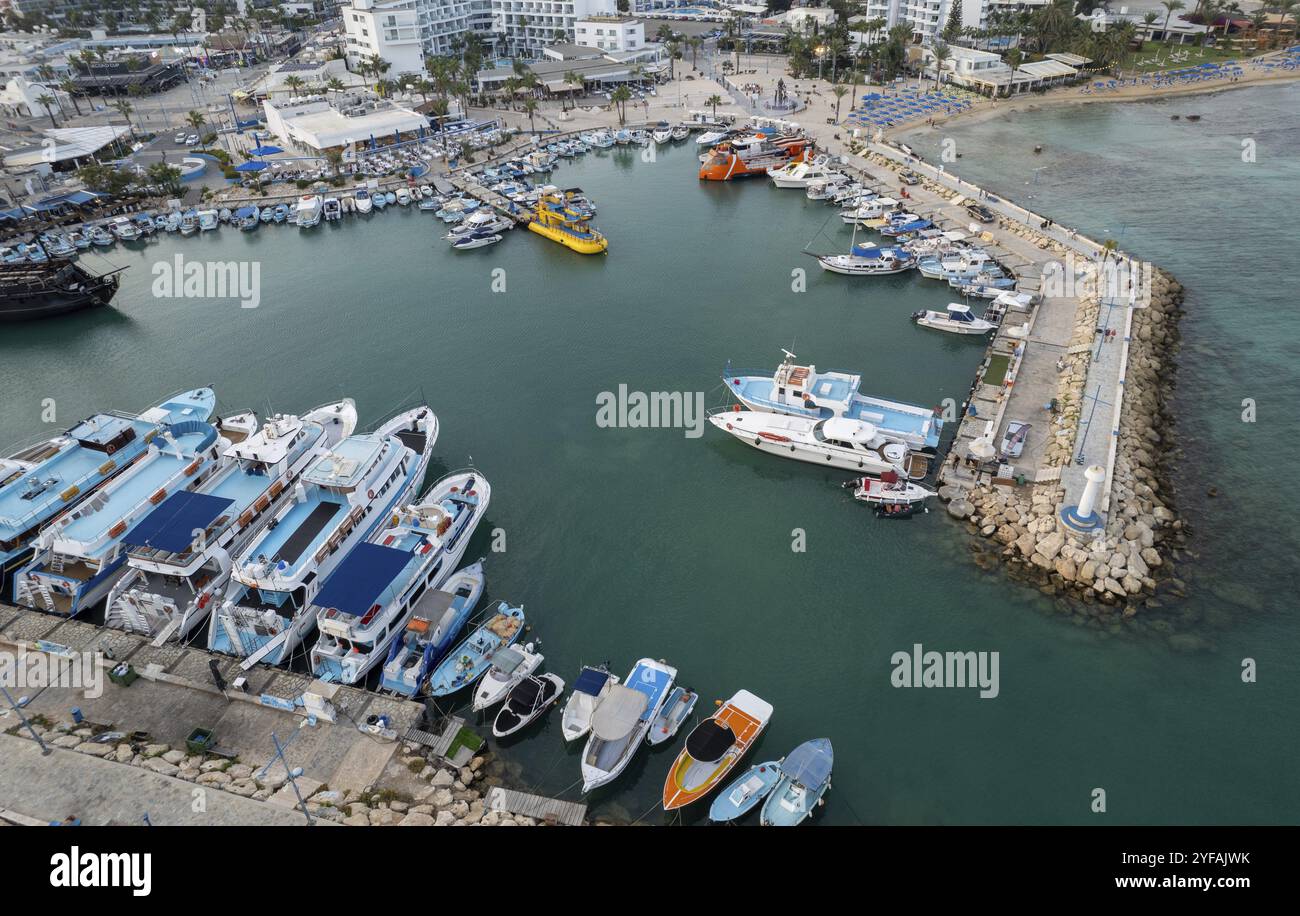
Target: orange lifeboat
pixel 752 156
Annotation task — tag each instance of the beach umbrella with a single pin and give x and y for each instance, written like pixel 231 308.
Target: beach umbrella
pixel 264 151
pixel 981 448
pixel 252 165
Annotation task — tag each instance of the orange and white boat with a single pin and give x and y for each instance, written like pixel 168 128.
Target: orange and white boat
pixel 752 155
pixel 714 747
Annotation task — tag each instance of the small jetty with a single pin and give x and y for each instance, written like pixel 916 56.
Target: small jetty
pixel 548 810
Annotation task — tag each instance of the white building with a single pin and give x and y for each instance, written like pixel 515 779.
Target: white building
pixel 389 29
pixel 317 124
pixel 610 33
pixel 528 25
pixel 926 17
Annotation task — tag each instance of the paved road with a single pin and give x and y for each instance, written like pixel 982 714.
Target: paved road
pixel 101 792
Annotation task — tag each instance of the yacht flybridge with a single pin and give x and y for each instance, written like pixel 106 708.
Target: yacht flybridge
pixel 174 576
pixel 802 391
pixel 343 497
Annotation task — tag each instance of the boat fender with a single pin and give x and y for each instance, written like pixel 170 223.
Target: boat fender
pixel 370 494
pixel 110 449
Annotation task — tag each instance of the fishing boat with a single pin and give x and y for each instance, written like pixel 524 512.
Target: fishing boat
pixel 331 209
pixel 800 174
pixel 224 214
pixel 82 241
pixel 267 215
pixel 437 619
pixel 888 490
pixel 390 197
pixel 805 780
pixel 367 602
pixel 802 391
pixel 851 445
pixel 346 494
pixel 715 746
pixel 741 797
pixel 42 478
pixel 965 263
pixel 56 246
pixel 145 223
pixel 621 720
pixel 282 213
pixel 78 557
pixel 556 221
pixel 470 660
pixel 363 201
pixel 831 187
pixel 124 228
pixel 175 576
pixel 675 711
pixel 527 700
pixel 102 238
pixel 379 200
pixel 680 132
pixel 509 666
pixel 30 291
pixel 308 211
pixel 403 196
pixel 207 220
pixel 248 218
pixel 958 319
pixel 864 211
pixel 592 686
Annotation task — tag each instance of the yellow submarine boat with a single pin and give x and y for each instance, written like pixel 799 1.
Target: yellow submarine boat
pixel 555 220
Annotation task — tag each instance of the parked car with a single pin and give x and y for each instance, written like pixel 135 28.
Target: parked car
pixel 179 138
pixel 981 212
pixel 907 176
pixel 1013 440
pixel 192 140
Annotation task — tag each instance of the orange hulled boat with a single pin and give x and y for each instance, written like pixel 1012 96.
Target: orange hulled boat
pixel 714 747
pixel 752 155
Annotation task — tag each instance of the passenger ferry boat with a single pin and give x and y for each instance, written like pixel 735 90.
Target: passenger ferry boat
pixel 173 578
pixel 557 221
pixel 342 498
pixel 366 603
pixel 802 391
pixel 752 155
pixel 77 557
pixel 42 479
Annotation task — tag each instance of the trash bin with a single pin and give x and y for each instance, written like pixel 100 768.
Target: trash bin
pixel 123 675
pixel 77 717
pixel 200 740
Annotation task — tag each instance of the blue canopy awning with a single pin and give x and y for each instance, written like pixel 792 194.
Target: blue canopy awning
pixel 362 576
pixel 265 151
pixel 591 681
pixel 172 525
pixel 252 165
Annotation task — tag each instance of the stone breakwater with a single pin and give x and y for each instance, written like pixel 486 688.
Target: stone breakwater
pixel 417 791
pixel 1129 565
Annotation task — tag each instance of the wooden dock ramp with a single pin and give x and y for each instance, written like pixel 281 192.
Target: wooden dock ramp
pixel 538 807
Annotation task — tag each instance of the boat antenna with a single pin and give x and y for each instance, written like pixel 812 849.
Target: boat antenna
pixel 788 355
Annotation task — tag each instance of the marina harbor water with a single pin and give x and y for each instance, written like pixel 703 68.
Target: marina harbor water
pixel 735 569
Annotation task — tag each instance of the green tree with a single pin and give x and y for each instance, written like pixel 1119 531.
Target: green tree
pixel 48 102
pixel 620 98
pixel 713 102
pixel 1171 7
pixel 952 31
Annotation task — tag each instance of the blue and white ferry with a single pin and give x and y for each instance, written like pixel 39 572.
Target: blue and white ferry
pixel 39 480
pixel 802 391
pixel 179 556
pixel 344 496
pixel 366 603
pixel 78 557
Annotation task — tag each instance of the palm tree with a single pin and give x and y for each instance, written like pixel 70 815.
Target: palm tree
pixel 69 87
pixel 294 83
pixel 694 43
pixel 620 97
pixel 335 84
pixel 196 120
pixel 378 67
pixel 574 79
pixel 839 92
pixel 48 102
pixel 1148 18
pixel 713 102
pixel 334 157
pixel 124 108
pixel 1171 7
pixel 530 107
pixel 941 53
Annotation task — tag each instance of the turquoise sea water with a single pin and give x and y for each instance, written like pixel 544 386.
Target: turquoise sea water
pixel 624 543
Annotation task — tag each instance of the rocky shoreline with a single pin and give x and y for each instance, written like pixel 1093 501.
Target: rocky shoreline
pixel 422 792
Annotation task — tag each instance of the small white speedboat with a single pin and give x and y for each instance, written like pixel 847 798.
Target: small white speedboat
pixel 888 490
pixel 403 196
pixel 475 240
pixel 363 201
pixel 592 686
pixel 528 699
pixel 509 666
pixel 958 319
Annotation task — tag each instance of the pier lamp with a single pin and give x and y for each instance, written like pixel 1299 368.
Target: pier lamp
pixel 1084 518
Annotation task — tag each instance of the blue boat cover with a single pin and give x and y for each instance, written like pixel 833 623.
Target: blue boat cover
pixel 363 576
pixel 591 681
pixel 810 763
pixel 172 525
pixel 246 211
